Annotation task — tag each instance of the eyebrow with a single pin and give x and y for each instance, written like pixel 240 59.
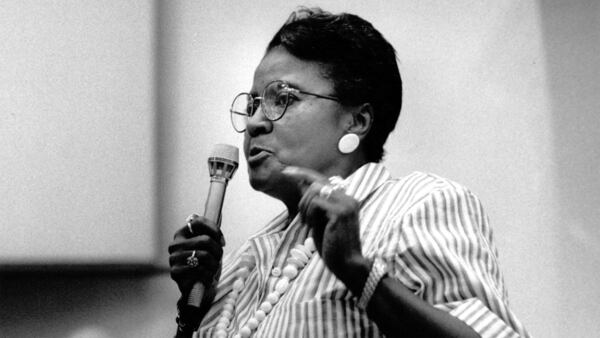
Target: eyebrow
pixel 292 84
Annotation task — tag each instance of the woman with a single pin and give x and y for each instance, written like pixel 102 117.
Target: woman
pixel 356 253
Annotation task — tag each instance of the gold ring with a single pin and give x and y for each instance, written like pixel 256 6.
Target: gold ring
pixel 189 221
pixel 326 191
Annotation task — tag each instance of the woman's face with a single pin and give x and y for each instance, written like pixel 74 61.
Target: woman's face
pixel 308 132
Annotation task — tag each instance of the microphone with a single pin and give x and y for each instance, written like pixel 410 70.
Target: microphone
pixel 222 163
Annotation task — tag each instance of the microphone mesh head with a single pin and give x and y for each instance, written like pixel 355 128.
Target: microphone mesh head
pixel 226 152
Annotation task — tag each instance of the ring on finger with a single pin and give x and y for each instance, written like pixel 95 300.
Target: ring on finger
pixel 191 218
pixel 326 190
pixel 192 261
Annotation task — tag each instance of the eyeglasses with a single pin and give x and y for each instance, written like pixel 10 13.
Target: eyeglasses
pixel 275 99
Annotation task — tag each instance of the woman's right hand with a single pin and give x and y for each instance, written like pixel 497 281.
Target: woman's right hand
pixel 203 236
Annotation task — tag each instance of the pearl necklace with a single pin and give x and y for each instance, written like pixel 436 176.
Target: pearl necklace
pixel 299 256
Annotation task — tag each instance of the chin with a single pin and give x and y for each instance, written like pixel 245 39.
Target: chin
pixel 261 177
pixel 257 183
pixel 266 178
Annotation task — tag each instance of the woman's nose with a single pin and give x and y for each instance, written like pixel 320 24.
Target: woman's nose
pixel 258 123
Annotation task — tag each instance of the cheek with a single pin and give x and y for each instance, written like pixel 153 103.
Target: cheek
pixel 308 131
pixel 246 144
pixel 307 144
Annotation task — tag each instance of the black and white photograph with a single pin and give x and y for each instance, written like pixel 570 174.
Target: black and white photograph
pixel 314 169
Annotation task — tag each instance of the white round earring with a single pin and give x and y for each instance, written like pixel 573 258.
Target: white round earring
pixel 348 143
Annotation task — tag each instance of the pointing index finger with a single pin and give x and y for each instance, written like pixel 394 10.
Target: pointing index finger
pixel 304 176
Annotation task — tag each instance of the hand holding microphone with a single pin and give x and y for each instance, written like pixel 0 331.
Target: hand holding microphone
pixel 196 251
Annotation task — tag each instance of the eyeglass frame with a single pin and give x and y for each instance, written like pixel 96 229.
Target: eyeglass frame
pixel 287 87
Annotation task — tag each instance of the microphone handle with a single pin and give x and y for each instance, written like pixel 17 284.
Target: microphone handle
pixel 212 211
pixel 214 201
pixel 190 314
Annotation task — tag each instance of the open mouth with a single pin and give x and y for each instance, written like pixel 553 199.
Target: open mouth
pixel 255 151
pixel 257 155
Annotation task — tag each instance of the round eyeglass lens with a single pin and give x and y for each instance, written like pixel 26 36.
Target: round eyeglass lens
pixel 275 100
pixel 240 111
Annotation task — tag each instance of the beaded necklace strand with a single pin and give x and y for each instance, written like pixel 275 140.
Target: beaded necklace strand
pixel 298 257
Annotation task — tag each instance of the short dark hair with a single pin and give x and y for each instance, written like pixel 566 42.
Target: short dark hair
pixel 356 57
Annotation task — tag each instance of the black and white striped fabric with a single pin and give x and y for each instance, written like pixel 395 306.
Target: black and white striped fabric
pixel 432 233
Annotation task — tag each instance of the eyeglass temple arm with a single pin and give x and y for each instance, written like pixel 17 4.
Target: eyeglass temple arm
pixel 317 95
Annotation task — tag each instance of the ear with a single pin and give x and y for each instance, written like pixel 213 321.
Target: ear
pixel 362 120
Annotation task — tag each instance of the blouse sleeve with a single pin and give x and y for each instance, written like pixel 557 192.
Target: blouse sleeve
pixel 447 257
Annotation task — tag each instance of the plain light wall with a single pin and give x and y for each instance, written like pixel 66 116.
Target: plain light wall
pixel 77 125
pixel 77 170
pixel 571 32
pixel 500 96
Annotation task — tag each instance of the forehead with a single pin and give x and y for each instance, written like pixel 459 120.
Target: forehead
pixel 279 64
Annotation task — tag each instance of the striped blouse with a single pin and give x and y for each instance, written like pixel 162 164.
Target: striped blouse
pixel 433 235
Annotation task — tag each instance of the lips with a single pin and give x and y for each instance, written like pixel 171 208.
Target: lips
pixel 257 154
